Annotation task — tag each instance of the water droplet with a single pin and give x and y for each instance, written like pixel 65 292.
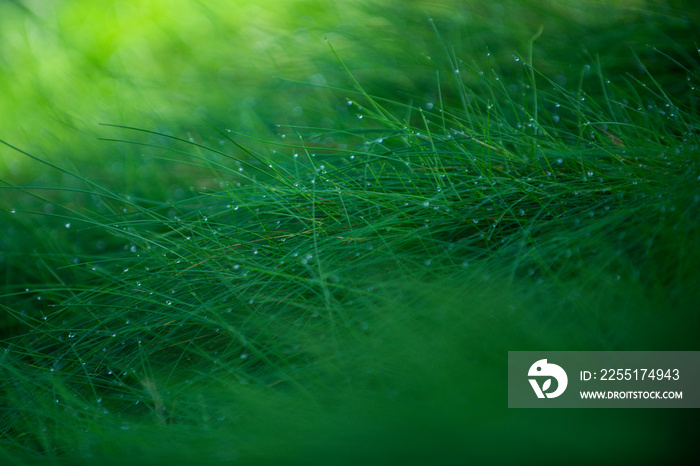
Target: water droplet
pixel 67 225
pixel 168 302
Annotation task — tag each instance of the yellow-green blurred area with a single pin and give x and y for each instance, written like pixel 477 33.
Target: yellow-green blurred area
pixel 167 65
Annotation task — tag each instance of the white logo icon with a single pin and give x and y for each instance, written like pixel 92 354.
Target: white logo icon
pixel 542 369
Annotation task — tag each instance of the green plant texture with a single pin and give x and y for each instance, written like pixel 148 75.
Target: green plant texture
pixel 308 232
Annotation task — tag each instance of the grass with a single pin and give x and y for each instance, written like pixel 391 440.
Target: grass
pixel 350 294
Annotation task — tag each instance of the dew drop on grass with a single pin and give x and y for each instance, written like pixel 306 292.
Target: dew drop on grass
pixel 67 225
pixel 168 302
pixel 244 355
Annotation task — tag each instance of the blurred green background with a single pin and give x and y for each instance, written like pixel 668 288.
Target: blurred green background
pixel 66 66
